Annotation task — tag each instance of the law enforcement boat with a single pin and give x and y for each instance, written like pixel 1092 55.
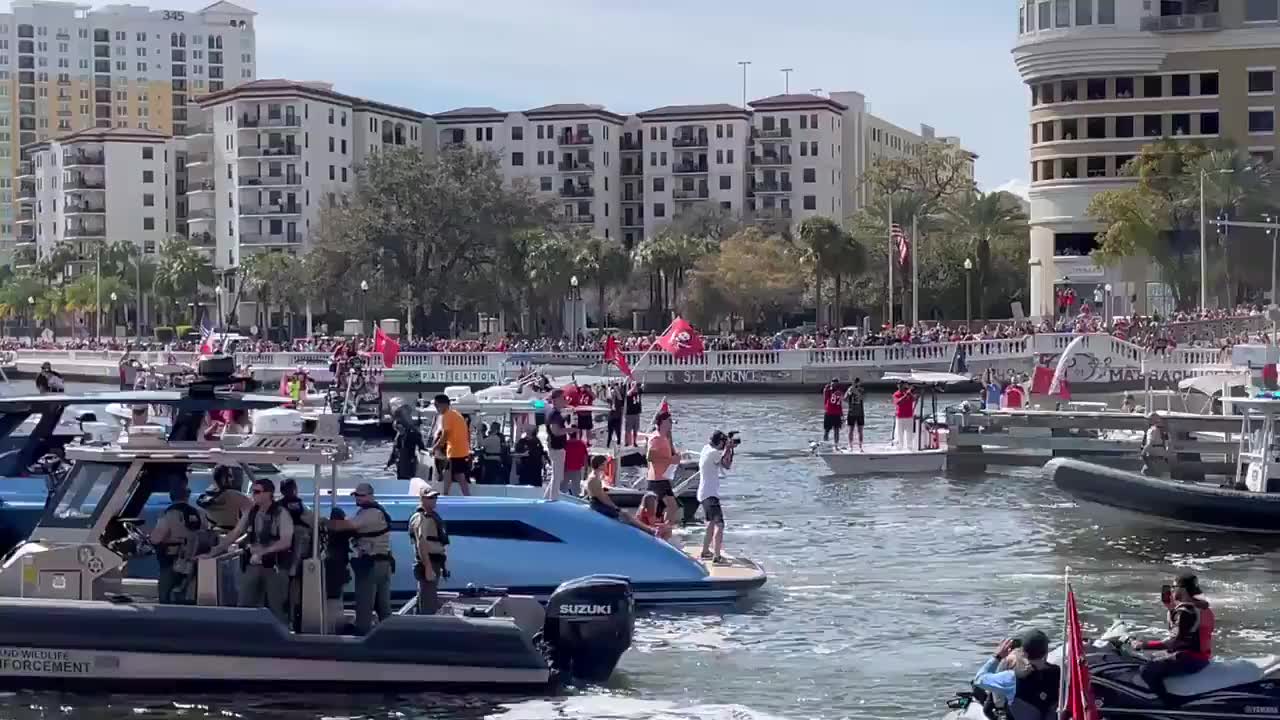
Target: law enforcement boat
pixel 1250 504
pixel 1226 689
pixel 71 620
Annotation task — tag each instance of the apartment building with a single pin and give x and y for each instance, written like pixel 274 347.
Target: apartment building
pixel 95 186
pixel 798 157
pixel 66 67
pixel 1107 77
pixel 568 152
pixel 265 157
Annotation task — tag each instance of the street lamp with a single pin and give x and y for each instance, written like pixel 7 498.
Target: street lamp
pixel 1106 308
pixel 217 292
pixel 1271 233
pixel 573 307
pixel 968 291
pixel 1204 239
pixel 111 315
pixel 31 317
pixel 364 304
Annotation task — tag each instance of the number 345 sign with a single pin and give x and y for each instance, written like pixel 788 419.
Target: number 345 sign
pixel 174 15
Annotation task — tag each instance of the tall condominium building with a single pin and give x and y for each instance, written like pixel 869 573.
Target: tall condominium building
pixel 784 158
pixel 1107 77
pixel 66 67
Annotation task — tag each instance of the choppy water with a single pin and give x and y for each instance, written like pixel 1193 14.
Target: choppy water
pixel 884 594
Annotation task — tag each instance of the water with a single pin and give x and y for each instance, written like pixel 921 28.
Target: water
pixel 883 597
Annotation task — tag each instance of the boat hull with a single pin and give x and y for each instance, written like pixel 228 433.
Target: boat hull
pixel 885 460
pixel 1184 504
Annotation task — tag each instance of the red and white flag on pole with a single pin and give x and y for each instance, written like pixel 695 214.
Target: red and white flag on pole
pixel 901 242
pixel 681 340
pixel 1080 704
pixel 387 346
pixel 613 356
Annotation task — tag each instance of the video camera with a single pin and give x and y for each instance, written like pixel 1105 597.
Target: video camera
pixel 733 439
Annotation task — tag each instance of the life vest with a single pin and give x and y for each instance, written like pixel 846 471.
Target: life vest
pixel 301 528
pixel 192 523
pixel 371 549
pixel 1036 696
pixel 268 534
pixel 435 544
pixel 1202 630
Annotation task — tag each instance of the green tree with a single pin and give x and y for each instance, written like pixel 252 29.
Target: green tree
pixel 604 263
pixel 667 256
pixel 984 219
pixel 755 276
pixel 550 265
pixel 274 279
pixel 830 251
pixel 932 176
pixel 181 273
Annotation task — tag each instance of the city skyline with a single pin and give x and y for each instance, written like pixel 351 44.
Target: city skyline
pixel 416 64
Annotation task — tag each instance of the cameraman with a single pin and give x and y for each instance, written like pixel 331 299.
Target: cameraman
pixel 716 457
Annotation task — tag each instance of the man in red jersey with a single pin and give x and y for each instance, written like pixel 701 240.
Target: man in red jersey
pixel 904 411
pixel 832 410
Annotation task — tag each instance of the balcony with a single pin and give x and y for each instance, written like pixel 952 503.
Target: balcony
pixel 80 232
pixel 577 191
pixel 633 198
pixel 25 215
pixel 771 133
pixel 71 160
pixel 689 169
pixel 270 210
pixel 1200 22
pixel 577 166
pixel 202 239
pixel 773 213
pixel 195 130
pixel 629 145
pixel 633 223
pixel 689 141
pixel 577 139
pixel 80 183
pixel 632 169
pixel 247 122
pixel 26 169
pixel 249 181
pixel 270 151
pixel 768 159
pixel 773 187
pixel 86 209
pixel 696 194
pixel 26 193
pixel 201 187
pixel 200 215
pixel 260 240
pixel 582 219
pixel 198 159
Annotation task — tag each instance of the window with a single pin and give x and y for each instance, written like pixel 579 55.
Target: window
pixel 148 223
pixel 1262 121
pixel 331 143
pixel 148 200
pixel 726 182
pixel 1209 123
pixel 1096 167
pixel 1124 87
pixel 1262 81
pixel 1046 93
pixel 1121 161
pixel 1096 89
pixel 544 183
pixel 659 210
pixel 333 173
pixel 658 184
pixel 148 176
pixel 1070 129
pixel 813 150
pixel 1261 10
pixel 810 202
pixel 1152 125
pixel 88 484
pixel 810 175
pixel 517 159
pixel 1070 168
pixel 1046 14
pixel 517 133
pixel 1095 128
pixel 1106 12
pixel 479 133
pixel 728 156
pixel 344 146
pixel 804 149
pixel 1070 90
pixel 148 153
pixel 1084 12
pixel 1124 126
pixel 1181 86
pixel 344 174
pixel 1153 86
pixel 1062 16
pixel 804 122
pixel 1181 123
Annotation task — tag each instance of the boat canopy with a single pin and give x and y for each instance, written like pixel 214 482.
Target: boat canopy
pixel 1213 384
pixel 178 398
pixel 919 377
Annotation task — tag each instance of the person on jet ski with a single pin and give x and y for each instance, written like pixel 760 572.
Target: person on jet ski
pixel 1189 646
pixel 1020 674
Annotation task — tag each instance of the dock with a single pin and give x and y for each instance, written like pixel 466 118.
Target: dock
pixel 1198 446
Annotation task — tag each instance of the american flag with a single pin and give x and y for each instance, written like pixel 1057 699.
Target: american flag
pixel 206 337
pixel 899 238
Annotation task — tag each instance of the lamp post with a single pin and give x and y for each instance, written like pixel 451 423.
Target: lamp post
pixel 217 292
pixel 1271 233
pixel 364 304
pixel 111 314
pixel 968 291
pixel 31 317
pixel 1204 239
pixel 573 307
pixel 1106 308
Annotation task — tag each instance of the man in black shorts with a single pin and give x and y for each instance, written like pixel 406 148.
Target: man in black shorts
pixel 856 417
pixel 831 411
pixel 716 457
pixel 617 399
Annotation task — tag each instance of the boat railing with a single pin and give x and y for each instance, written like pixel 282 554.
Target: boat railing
pixel 218 579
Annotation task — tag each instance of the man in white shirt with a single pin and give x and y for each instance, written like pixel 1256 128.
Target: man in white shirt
pixel 716 457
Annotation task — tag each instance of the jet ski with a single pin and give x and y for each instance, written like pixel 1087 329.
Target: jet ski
pixel 1235 688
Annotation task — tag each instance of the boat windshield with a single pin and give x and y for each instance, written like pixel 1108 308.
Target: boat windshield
pixel 81 498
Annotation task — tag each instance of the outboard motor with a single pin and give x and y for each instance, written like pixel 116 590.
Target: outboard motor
pixel 589 626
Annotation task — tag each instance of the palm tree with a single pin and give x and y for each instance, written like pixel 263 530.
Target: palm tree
pixel 183 270
pixel 1236 185
pixel 605 263
pixel 982 219
pixel 273 277
pixel 820 238
pixel 668 256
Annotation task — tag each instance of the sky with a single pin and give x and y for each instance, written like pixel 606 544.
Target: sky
pixel 946 63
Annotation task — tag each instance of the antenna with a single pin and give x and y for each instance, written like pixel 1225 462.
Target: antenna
pixel 786 74
pixel 744 64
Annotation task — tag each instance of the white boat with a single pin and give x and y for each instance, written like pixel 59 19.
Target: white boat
pixel 922 453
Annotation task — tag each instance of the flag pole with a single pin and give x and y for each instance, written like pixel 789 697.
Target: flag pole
pixel 646 353
pixel 1064 677
pixel 889 314
pixel 915 277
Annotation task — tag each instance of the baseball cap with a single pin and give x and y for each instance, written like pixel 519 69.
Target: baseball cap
pixel 362 489
pixel 429 493
pixel 1035 644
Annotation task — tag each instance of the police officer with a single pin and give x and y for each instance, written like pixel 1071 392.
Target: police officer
pixel 337 571
pixel 426 529
pixel 373 564
pixel 224 503
pixel 302 524
pixel 176 538
pixel 268 530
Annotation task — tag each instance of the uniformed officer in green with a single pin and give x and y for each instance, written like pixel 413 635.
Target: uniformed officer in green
pixel 268 532
pixel 176 538
pixel 426 528
pixel 373 564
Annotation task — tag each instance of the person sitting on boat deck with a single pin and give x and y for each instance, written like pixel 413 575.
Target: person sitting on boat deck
pixel 223 503
pixel 407 443
pixel 1189 646
pixel 1129 405
pixel 575 464
pixel 1154 461
pixel 337 571
pixel 598 497
pixel 531 458
pixel 832 411
pixel 264 564
pixel 373 564
pixel 176 538
pixel 430 543
pixel 716 457
pixel 663 459
pixel 494 454
pixel 904 406
pixel 303 521
pixel 455 440
pixel 49 380
pixel 557 439
pixel 1021 676
pixel 856 418
pixel 647 515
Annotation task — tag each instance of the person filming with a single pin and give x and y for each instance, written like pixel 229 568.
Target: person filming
pixel 716 457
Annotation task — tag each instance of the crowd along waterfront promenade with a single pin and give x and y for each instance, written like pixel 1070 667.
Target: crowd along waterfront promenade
pixel 1102 363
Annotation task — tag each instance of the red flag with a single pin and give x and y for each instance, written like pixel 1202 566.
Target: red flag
pixel 387 345
pixel 681 340
pixel 1042 383
pixel 613 355
pixel 1080 703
